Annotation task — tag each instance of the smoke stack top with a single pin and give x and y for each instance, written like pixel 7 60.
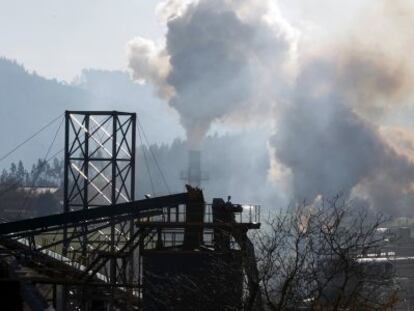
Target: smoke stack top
pixel 194 175
pixel 194 168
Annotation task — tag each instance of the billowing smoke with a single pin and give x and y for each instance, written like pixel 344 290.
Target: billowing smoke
pixel 335 134
pixel 218 63
pixel 329 149
pixel 150 64
pixel 333 108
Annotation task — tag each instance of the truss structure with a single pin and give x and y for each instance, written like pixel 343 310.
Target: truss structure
pixel 96 254
pixel 72 283
pixel 99 171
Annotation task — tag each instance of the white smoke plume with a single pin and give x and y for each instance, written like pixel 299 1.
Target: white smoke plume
pixel 333 107
pixel 219 61
pixel 151 64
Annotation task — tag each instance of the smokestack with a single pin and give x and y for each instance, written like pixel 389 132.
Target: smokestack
pixel 194 168
pixel 193 175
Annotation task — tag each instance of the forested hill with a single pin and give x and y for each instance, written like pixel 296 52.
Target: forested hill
pixel 235 164
pixel 28 101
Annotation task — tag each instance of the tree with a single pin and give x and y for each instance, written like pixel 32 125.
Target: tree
pixel 19 198
pixel 312 258
pixel 21 173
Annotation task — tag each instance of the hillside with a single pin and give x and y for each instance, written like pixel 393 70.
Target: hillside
pixel 28 101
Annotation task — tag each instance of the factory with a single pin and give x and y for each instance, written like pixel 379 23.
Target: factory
pixel 108 251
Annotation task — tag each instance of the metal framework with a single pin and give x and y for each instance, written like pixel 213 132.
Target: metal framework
pixel 164 225
pixel 99 171
pixel 38 244
pixel 91 256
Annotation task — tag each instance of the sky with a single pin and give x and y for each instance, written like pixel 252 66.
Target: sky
pixel 58 38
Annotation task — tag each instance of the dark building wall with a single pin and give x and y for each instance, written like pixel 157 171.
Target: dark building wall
pixel 11 298
pixel 193 280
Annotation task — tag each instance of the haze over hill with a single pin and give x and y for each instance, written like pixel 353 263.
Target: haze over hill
pixel 28 101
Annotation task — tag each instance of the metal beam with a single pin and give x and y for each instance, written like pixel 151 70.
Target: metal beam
pixel 133 208
pixel 204 225
pixel 103 113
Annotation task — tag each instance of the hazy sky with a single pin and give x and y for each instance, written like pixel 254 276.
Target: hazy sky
pixel 351 60
pixel 59 38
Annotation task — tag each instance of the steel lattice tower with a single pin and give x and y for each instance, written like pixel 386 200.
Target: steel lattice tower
pixel 100 171
pixel 107 251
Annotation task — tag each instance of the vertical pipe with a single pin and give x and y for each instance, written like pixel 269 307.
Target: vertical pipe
pixel 62 290
pixel 112 269
pixel 65 180
pixel 133 128
pixel 194 168
pixel 66 164
pixel 85 202
pixel 133 150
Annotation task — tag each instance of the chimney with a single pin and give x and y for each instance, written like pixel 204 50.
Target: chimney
pixel 193 175
pixel 194 168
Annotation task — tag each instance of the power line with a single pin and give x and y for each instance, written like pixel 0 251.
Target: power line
pixel 53 140
pixel 29 138
pixel 45 158
pixel 146 161
pixel 43 163
pixel 154 157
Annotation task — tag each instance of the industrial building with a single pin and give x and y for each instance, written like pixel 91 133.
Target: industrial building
pixel 109 251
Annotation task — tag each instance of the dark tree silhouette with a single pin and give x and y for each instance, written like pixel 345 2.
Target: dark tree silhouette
pixel 316 257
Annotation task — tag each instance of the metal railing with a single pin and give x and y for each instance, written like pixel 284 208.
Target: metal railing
pixel 250 214
pixel 174 237
pixel 171 238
